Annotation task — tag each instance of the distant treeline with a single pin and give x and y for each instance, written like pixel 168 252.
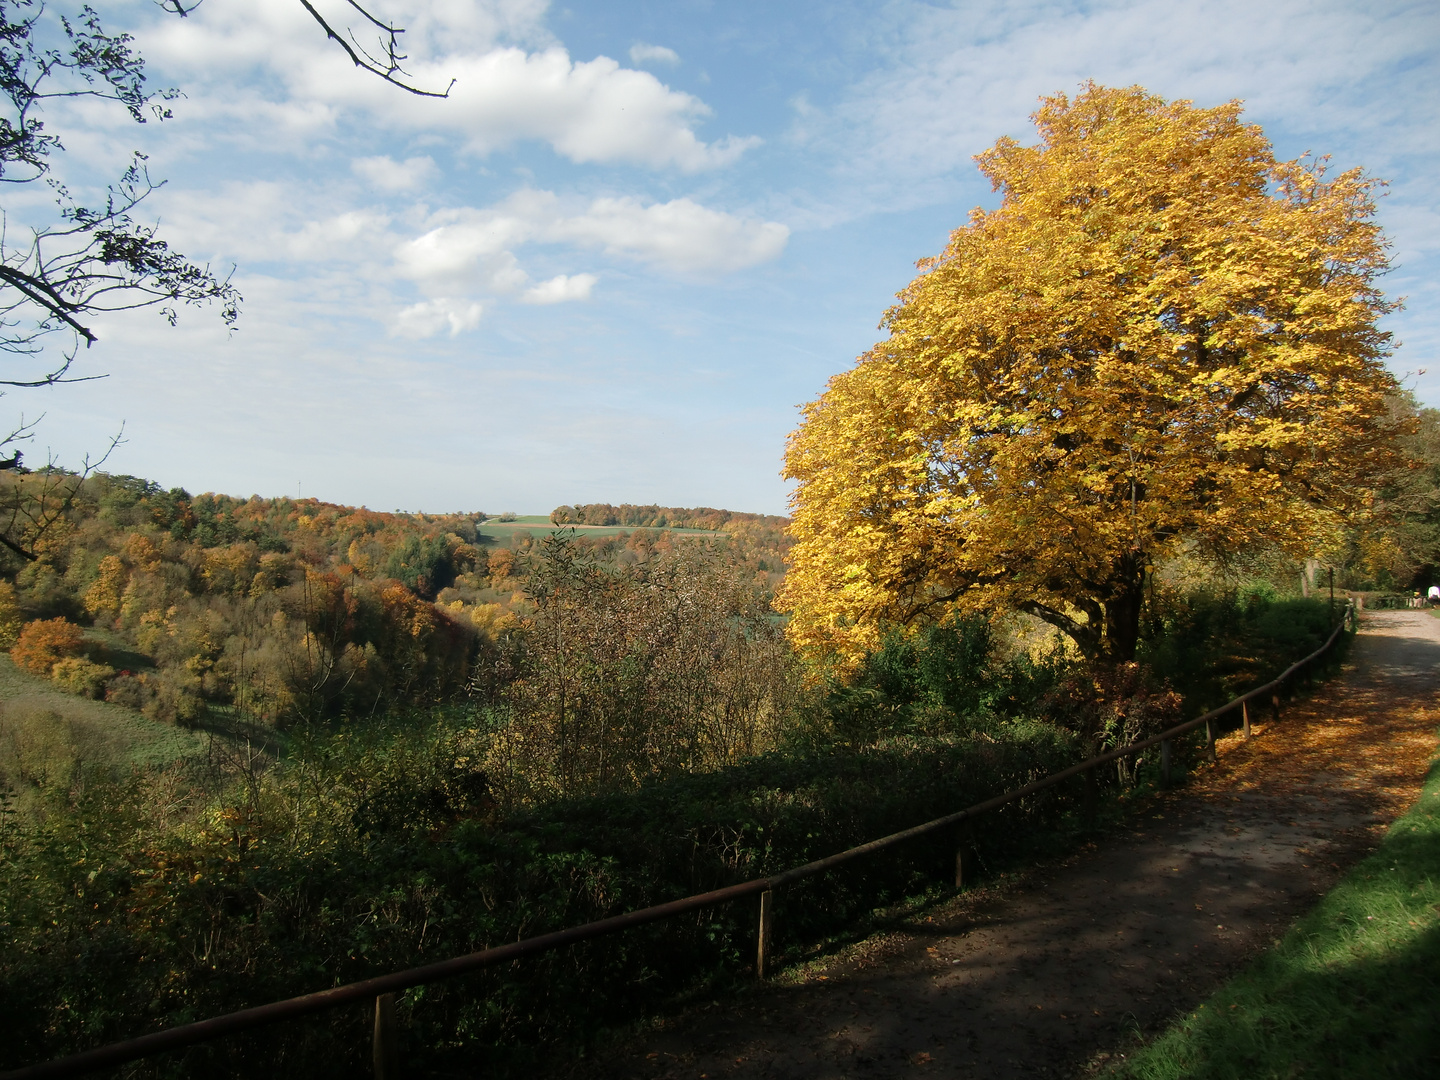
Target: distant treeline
pixel 628 515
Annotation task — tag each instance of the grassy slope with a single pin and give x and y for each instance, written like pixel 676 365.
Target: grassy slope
pixel 40 723
pixel 1352 991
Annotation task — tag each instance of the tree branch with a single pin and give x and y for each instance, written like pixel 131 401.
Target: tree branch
pixel 388 68
pixel 1086 635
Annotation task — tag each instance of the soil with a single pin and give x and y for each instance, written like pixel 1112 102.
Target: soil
pixel 1055 972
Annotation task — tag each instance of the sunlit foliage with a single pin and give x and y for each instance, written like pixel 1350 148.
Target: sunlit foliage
pixel 1163 336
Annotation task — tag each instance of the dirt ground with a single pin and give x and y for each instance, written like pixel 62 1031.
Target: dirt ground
pixel 1051 974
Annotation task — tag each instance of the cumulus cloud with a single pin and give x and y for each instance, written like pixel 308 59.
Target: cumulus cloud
pixel 560 289
pixel 458 259
pixel 474 245
pixel 387 174
pixel 589 111
pixel 431 317
pixel 473 252
pixel 677 235
pixel 282 35
pixel 267 221
pixel 640 53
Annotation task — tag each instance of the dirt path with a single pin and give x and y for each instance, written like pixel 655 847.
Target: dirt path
pixel 1057 972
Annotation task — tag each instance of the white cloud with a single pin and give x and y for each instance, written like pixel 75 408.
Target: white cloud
pixel 266 221
pixel 472 252
pixel 589 111
pixel 640 53
pixel 280 34
pixel 387 174
pixel 431 317
pixel 677 235
pixel 443 27
pixel 560 289
pixel 474 246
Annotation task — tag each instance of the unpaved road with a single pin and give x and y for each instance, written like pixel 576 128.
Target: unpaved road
pixel 1051 975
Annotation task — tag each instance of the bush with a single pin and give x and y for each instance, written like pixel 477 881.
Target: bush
pixel 84 678
pixel 945 679
pixel 173 697
pixel 1212 646
pixel 129 690
pixel 45 642
pixel 10 617
pixel 676 665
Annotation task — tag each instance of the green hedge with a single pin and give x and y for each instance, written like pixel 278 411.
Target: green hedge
pixel 117 928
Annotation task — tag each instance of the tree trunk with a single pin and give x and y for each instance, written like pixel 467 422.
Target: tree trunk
pixel 1122 609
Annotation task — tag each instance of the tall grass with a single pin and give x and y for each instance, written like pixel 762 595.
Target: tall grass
pixel 48 738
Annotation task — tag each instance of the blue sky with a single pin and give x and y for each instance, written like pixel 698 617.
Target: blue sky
pixel 636 236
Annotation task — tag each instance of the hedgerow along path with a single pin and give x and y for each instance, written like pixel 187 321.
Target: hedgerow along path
pixel 1057 972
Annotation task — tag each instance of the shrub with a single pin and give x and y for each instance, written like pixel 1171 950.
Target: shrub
pixel 676 665
pixel 10 617
pixel 173 697
pixel 45 642
pixel 84 678
pixel 941 680
pixel 130 690
pixel 1210 646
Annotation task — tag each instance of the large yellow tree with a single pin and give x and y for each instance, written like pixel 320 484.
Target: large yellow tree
pixel 1162 336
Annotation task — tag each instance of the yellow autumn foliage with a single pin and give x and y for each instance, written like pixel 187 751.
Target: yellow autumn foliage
pixel 11 618
pixel 107 595
pixel 1163 336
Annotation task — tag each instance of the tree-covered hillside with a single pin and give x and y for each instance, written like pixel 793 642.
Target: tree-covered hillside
pixel 286 608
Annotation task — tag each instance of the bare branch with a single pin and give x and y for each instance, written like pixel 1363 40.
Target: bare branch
pixel 32 513
pixel 387 66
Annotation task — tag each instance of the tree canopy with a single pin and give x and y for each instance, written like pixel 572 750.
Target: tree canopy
pixel 1162 337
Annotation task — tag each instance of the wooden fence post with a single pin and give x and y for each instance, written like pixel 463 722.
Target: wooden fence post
pixel 965 853
pixel 386 1058
pixel 1165 755
pixel 1245 717
pixel 1210 741
pixel 762 952
pixel 1092 799
pixel 1275 705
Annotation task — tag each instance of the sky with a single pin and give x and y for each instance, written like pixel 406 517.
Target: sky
pixel 635 237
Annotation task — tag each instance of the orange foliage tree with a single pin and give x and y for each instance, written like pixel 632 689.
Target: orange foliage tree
pixel 1163 338
pixel 44 643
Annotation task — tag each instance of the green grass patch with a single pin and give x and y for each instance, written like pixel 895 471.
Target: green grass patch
pixel 1352 991
pixel 43 728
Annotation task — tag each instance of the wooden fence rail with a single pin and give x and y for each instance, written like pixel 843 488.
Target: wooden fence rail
pixel 381 989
